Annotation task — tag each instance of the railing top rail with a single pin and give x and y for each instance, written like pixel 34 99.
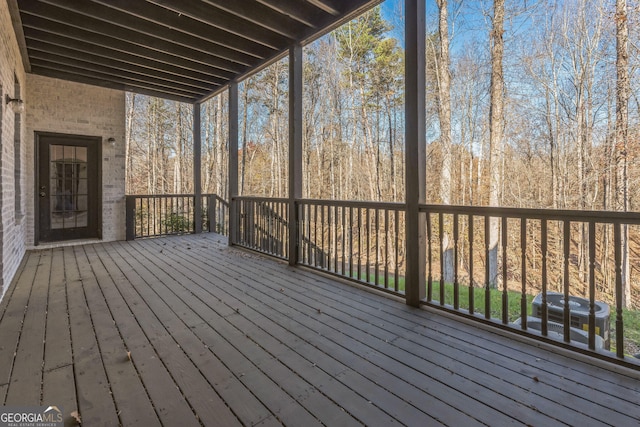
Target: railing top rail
pixel 546 214
pixel 262 199
pixel 160 196
pixel 220 199
pixel 354 204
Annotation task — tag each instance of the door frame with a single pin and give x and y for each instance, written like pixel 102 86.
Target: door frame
pixel 95 142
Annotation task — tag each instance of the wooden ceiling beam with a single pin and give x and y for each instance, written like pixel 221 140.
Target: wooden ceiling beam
pixel 70 64
pixel 225 21
pixel 103 77
pixel 116 16
pixel 300 11
pixel 330 6
pixel 47 72
pixel 261 15
pixel 44 50
pixel 55 41
pixel 187 25
pixel 107 29
pixel 83 35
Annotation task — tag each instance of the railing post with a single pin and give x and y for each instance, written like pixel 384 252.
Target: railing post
pixel 234 220
pixel 295 147
pixel 130 217
pixel 212 202
pixel 415 155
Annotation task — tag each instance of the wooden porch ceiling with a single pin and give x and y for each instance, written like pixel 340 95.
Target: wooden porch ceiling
pixel 185 50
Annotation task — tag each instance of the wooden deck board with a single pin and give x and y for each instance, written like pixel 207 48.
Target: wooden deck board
pixel 95 399
pixel 26 376
pixel 219 336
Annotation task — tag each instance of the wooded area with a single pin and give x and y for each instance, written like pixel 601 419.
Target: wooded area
pixel 529 104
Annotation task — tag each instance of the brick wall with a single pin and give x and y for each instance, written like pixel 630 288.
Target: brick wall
pixel 51 106
pixel 12 223
pixel 72 108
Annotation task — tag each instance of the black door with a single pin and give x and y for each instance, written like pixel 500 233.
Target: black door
pixel 68 187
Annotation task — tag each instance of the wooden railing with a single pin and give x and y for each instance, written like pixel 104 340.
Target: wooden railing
pixel 356 240
pixel 161 215
pixel 553 274
pixel 262 225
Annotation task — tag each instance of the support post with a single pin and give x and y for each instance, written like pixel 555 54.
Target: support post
pixel 130 217
pixel 197 170
pixel 415 153
pixel 234 221
pixel 295 146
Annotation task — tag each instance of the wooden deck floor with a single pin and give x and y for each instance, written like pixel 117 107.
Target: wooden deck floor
pixel 184 331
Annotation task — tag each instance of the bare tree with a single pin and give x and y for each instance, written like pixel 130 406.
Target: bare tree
pixel 496 129
pixel 622 126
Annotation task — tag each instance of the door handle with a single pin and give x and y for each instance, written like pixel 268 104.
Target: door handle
pixel 43 194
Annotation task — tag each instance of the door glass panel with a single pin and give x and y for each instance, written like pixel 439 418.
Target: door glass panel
pixel 81 219
pixel 82 186
pixel 56 152
pixel 81 154
pixel 68 192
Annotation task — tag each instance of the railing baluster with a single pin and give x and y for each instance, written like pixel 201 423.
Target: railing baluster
pixel 523 293
pixel 323 265
pixel 429 260
pixel 309 245
pixel 456 284
pixel 617 242
pixel 377 229
pixel 344 239
pixel 149 216
pixel 442 266
pixel 329 235
pixel 470 234
pixel 505 295
pixel 335 240
pixel 368 225
pixel 566 311
pixel 386 248
pixel 315 234
pixel 359 243
pixel 544 238
pixel 592 285
pixel 396 263
pixel 487 270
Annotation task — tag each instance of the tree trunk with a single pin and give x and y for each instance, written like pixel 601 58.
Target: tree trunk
pixel 496 128
pixel 622 125
pixel 128 141
pixel 443 76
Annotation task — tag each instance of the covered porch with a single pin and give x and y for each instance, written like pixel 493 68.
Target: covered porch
pixel 186 330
